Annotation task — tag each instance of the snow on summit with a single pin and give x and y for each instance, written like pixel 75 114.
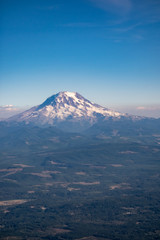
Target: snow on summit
pixel 65 106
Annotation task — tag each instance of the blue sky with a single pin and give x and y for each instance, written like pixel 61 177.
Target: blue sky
pixel 107 50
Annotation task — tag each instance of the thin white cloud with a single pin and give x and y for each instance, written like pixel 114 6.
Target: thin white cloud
pixel 7 111
pixel 8 108
pixel 128 28
pixel 118 6
pixel 141 108
pixel 48 8
pixel 148 108
pixel 78 24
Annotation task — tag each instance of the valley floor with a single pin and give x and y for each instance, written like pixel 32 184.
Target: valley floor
pixel 83 190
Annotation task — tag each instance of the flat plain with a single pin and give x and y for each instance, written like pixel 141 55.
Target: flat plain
pixel 80 187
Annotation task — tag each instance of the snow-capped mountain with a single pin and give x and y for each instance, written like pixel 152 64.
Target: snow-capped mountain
pixel 71 112
pixel 65 110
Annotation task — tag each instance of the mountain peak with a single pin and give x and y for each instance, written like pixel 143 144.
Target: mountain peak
pixel 66 95
pixel 69 94
pixel 73 95
pixel 64 99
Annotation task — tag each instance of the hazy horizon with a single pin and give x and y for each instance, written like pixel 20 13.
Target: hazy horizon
pixel 7 111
